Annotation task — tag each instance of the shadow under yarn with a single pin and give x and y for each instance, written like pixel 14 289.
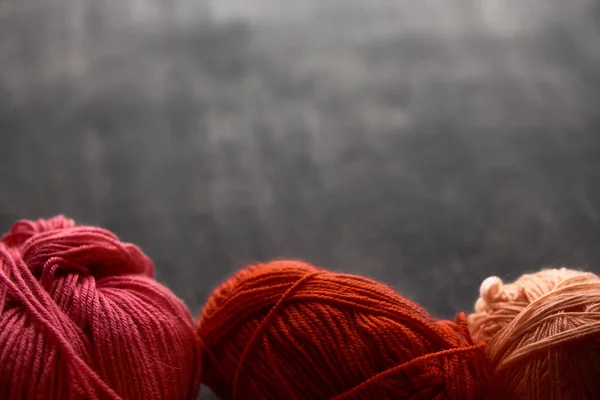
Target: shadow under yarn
pixel 82 318
pixel 289 330
pixel 542 333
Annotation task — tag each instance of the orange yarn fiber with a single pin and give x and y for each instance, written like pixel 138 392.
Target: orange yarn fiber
pixel 288 330
pixel 542 333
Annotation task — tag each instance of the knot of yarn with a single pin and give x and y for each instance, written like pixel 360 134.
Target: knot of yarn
pixel 86 249
pixel 57 244
pixel 289 330
pixel 499 304
pixel 81 318
pixel 542 333
pixel 24 229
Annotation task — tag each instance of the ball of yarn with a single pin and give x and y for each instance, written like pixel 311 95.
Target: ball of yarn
pixel 288 330
pixel 542 333
pixel 82 318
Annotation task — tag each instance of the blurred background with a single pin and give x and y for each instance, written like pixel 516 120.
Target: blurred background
pixel 425 144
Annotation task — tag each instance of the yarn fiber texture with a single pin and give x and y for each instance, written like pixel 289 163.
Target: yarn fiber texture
pixel 82 318
pixel 542 333
pixel 287 330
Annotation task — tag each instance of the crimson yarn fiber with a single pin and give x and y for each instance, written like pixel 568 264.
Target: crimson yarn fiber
pixel 82 318
pixel 289 330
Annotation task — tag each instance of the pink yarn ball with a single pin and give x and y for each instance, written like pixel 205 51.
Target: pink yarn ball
pixel 82 318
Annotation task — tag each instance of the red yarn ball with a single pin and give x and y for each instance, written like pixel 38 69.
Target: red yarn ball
pixel 82 318
pixel 288 330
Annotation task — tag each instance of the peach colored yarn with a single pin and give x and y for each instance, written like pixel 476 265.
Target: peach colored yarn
pixel 542 333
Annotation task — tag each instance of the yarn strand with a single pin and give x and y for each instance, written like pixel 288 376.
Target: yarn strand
pixel 405 366
pixel 33 307
pixel 262 325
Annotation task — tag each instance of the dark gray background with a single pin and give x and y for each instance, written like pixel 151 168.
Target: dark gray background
pixel 425 145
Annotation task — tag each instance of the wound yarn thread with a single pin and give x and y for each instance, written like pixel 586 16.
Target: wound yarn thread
pixel 289 330
pixel 542 333
pixel 82 318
